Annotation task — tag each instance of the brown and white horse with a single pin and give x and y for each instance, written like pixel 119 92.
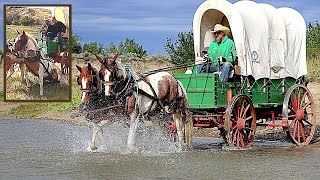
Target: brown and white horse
pixel 147 95
pixel 64 59
pixel 90 84
pixel 39 65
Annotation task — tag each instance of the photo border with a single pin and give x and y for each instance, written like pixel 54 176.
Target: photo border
pixel 5 50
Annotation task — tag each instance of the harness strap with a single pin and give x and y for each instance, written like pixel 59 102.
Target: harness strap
pixel 154 97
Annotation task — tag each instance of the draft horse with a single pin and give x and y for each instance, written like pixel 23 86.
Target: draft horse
pixel 145 96
pixel 93 101
pixel 26 48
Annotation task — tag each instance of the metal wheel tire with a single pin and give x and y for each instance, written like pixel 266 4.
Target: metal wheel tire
pixel 240 122
pixel 299 110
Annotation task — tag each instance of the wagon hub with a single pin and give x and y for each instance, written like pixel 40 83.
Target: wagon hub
pixel 300 114
pixel 240 123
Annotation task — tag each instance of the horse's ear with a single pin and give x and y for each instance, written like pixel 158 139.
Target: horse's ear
pixel 99 59
pixel 112 60
pixel 18 31
pixel 79 68
pixel 23 33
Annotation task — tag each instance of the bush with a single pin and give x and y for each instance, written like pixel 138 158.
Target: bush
pixel 75 44
pixel 182 51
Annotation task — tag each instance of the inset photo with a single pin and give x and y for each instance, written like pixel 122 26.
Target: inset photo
pixel 37 52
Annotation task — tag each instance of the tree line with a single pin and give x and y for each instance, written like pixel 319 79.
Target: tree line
pixel 129 48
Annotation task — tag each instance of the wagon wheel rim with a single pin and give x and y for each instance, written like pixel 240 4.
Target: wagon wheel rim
pixel 299 110
pixel 240 122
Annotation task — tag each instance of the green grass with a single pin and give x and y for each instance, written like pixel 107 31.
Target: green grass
pixel 30 110
pixel 18 90
pixel 313 65
pixel 11 30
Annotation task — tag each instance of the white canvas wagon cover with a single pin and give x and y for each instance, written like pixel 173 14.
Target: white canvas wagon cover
pixel 270 42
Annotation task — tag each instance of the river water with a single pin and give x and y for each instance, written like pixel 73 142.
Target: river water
pixel 30 149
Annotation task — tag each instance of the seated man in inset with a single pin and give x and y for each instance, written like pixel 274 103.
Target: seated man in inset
pixel 221 49
pixel 55 29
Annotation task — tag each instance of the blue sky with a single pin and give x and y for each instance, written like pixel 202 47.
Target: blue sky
pixel 148 22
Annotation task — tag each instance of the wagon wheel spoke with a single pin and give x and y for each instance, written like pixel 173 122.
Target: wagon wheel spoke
pixel 306 129
pixel 292 116
pixel 292 123
pixel 294 129
pixel 290 106
pixel 305 106
pixel 307 122
pixel 248 118
pixel 242 105
pixel 298 99
pixel 241 134
pixel 303 97
pixel 302 132
pixel 234 138
pixel 245 111
pixel 298 131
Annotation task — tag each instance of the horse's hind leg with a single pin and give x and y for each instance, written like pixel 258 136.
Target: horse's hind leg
pixel 177 117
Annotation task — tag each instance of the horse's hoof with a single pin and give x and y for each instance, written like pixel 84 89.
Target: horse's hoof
pixel 92 149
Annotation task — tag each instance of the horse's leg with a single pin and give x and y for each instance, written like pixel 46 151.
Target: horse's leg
pixel 22 73
pixel 134 119
pixel 96 128
pixel 10 71
pixel 99 133
pixel 180 128
pixel 41 72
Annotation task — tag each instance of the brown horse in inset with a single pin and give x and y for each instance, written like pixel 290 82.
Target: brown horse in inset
pixel 39 65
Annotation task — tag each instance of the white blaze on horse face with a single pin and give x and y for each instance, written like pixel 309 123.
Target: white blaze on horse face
pixel 107 79
pixel 84 86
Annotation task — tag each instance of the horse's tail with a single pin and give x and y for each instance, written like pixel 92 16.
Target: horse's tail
pixel 186 115
pixel 183 93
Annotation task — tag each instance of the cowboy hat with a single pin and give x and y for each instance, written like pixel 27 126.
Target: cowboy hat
pixel 219 27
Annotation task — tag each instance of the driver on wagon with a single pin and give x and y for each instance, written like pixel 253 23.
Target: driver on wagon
pixel 222 48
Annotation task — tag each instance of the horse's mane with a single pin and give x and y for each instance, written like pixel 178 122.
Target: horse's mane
pixel 122 68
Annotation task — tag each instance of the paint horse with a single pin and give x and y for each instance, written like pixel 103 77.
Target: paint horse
pixel 34 60
pixel 64 60
pixel 145 96
pixel 90 87
pixel 93 100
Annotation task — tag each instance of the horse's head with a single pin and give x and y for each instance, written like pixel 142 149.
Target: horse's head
pixel 109 74
pixel 88 82
pixel 20 42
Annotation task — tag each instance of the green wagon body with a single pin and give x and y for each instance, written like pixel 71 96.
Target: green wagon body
pixel 206 91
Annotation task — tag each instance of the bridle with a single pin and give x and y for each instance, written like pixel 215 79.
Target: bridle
pixel 114 72
pixel 91 83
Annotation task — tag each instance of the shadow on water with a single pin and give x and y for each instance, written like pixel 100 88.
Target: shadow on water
pixel 53 150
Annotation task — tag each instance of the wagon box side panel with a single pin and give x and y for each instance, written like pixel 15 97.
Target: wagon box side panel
pixel 200 89
pixel 278 88
pixel 258 92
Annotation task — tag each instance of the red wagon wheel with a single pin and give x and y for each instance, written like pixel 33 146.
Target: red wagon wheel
pixel 240 122
pixel 299 110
